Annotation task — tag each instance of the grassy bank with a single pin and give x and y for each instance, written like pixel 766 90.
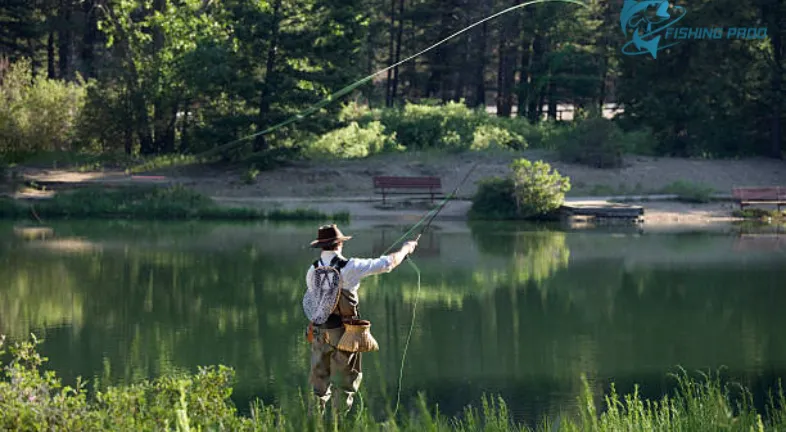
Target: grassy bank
pixel 761 214
pixel 173 203
pixel 34 399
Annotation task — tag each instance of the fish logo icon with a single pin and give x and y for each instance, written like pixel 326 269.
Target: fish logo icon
pixel 644 21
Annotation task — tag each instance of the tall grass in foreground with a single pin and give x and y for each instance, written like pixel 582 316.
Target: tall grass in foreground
pixel 34 399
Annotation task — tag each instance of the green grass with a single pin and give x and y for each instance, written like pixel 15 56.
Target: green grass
pixel 32 398
pixel 690 192
pixel 760 214
pixel 173 203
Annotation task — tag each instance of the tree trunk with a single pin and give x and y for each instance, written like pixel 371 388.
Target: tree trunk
pixel 391 50
pixel 65 40
pixel 465 57
pixel 541 102
pixel 536 93
pixel 435 85
pixel 507 60
pixel 603 47
pixel 776 40
pixel 260 143
pixel 523 93
pixel 184 141
pixel 368 90
pixel 50 56
pixel 410 71
pixel 399 37
pixel 552 96
pixel 482 59
pixel 90 36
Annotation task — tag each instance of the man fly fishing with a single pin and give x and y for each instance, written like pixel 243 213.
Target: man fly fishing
pixel 337 335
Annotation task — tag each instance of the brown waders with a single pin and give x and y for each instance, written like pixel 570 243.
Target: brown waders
pixel 327 360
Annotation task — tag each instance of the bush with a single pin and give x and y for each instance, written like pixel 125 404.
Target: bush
pixel 451 126
pixel 538 190
pixel 759 214
pixel 494 137
pixel 353 141
pixel 36 114
pixel 596 142
pixel 494 200
pixel 102 123
pixel 532 191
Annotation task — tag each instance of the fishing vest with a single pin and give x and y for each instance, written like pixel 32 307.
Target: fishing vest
pixel 347 300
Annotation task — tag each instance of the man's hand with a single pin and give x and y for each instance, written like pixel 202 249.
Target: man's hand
pixel 410 246
pixel 405 250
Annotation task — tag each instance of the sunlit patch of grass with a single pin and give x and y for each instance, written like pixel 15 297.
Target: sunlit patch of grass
pixel 174 203
pixel 163 161
pixel 760 214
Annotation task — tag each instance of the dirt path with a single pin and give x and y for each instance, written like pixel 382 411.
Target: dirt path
pixel 346 185
pixel 351 178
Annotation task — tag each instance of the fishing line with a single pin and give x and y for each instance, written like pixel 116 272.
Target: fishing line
pixel 344 91
pixel 430 216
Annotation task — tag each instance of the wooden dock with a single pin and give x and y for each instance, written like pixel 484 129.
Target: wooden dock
pixel 602 210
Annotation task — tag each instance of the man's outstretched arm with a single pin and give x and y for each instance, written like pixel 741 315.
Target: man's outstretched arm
pixel 369 267
pixel 398 257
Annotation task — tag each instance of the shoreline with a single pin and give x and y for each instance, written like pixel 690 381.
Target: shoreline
pixel 659 211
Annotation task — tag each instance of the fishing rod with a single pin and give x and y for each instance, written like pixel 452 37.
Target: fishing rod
pixel 433 213
pixel 411 262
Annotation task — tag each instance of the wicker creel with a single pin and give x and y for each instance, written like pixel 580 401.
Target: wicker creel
pixel 357 337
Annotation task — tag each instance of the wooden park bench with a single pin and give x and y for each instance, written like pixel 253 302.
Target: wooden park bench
pixel 411 186
pixel 760 195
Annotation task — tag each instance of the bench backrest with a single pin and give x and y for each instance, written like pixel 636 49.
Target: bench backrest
pixel 408 182
pixel 760 193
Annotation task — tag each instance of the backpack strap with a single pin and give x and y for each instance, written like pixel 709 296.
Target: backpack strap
pixel 335 262
pixel 338 262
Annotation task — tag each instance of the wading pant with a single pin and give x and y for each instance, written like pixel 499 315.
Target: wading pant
pixel 327 361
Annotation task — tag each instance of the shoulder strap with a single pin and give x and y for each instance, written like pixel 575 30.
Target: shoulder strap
pixel 338 262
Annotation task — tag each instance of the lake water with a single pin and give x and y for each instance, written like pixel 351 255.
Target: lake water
pixel 503 309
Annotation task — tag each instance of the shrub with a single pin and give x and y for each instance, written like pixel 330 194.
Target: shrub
pixel 102 123
pixel 494 199
pixel 596 142
pixel 495 137
pixel 353 141
pixel 690 192
pixel 532 191
pixel 36 114
pixel 451 126
pixel 538 190
pixel 759 213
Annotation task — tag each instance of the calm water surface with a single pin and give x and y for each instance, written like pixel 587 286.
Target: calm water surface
pixel 503 309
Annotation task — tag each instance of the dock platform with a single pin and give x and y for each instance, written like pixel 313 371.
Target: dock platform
pixel 602 209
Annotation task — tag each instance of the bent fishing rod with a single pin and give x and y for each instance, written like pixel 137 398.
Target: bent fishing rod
pixel 432 213
pixel 452 195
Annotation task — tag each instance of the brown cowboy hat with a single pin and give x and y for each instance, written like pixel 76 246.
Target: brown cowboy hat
pixel 328 234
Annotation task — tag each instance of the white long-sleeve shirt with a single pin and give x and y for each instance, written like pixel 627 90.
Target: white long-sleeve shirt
pixel 355 270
